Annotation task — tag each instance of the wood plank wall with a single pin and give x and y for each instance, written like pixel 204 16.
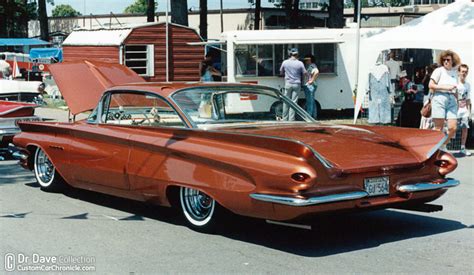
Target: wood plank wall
pixel 184 59
pixel 109 54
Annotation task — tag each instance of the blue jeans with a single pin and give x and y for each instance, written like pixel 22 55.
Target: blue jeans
pixel 291 91
pixel 310 104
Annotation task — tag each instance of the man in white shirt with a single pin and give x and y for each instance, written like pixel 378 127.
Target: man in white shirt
pixel 394 69
pixel 5 68
pixel 464 104
pixel 294 71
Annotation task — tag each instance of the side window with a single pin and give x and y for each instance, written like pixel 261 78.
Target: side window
pixel 139 109
pixel 93 116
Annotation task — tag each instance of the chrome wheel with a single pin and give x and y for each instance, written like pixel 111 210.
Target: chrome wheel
pixel 44 169
pixel 198 207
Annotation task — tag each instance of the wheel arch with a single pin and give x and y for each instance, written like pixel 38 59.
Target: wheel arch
pixel 31 148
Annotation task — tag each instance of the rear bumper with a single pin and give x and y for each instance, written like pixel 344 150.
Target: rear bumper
pixel 294 201
pixel 425 186
pixel 309 201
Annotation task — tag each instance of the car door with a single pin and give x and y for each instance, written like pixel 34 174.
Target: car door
pixel 100 148
pixel 157 124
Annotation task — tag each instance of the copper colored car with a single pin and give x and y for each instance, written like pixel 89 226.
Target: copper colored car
pixel 206 147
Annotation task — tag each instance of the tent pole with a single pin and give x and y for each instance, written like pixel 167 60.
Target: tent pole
pixel 359 8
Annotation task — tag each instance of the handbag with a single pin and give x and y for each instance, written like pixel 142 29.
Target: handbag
pixel 426 110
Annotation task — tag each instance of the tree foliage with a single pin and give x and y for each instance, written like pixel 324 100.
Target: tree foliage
pixel 14 17
pixel 138 7
pixel 65 11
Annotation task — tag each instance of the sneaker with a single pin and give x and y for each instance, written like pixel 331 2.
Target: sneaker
pixel 465 152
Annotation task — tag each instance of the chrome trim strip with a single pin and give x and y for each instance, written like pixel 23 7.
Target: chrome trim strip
pixel 436 147
pixel 20 156
pixel 426 186
pixel 309 201
pixel 9 131
pixel 321 159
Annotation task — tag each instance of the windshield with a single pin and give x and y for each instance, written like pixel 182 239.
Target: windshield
pixel 226 105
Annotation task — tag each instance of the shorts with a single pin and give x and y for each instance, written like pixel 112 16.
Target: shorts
pixel 444 106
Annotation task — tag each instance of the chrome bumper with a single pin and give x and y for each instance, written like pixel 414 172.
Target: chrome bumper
pixel 9 131
pixel 409 188
pixel 309 201
pixel 426 186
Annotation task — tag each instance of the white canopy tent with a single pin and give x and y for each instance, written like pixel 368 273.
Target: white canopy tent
pixel 451 27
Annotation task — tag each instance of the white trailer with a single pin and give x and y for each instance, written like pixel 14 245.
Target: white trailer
pixel 256 57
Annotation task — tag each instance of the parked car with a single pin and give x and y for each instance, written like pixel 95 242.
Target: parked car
pixel 187 145
pixel 21 91
pixel 10 114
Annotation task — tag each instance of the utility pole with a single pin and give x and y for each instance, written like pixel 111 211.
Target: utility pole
pixel 150 11
pixel 203 19
pixel 43 19
pixel 258 7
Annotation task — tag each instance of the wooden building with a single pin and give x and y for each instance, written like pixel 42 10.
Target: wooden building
pixel 141 48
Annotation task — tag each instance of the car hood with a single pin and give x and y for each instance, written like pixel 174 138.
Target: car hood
pixel 352 148
pixel 82 83
pixel 16 109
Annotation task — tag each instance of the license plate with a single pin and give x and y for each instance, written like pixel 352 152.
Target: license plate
pixel 377 186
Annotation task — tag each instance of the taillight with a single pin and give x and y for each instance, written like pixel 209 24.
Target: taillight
pixel 446 163
pixel 300 177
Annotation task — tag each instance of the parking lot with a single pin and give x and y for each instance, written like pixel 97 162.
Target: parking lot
pixel 123 236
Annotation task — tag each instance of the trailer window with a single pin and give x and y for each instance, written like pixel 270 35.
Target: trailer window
pixel 140 58
pixel 266 60
pixel 245 56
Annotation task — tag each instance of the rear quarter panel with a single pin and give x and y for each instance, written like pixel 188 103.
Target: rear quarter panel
pixel 53 138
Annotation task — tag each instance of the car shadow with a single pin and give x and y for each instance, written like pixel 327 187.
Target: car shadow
pixel 330 235
pixel 338 234
pixel 12 173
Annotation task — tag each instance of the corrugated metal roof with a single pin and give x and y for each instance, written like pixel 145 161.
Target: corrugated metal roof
pixel 22 42
pixel 100 37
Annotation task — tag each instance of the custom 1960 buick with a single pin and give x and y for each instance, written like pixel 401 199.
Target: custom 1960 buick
pixel 205 147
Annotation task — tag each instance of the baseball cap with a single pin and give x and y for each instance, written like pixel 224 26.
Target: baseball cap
pixel 293 51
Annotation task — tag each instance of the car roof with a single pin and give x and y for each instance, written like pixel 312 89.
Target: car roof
pixel 165 89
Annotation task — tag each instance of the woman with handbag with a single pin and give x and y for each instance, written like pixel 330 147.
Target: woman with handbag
pixel 443 82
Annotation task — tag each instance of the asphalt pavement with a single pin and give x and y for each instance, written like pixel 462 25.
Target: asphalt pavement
pixel 125 237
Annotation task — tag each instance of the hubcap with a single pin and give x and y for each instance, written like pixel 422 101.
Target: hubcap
pixel 197 205
pixel 44 168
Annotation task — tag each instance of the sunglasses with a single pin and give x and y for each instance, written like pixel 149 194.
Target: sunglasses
pixel 447 59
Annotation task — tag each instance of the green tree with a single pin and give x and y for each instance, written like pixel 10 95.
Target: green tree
pixel 65 11
pixel 14 16
pixel 138 7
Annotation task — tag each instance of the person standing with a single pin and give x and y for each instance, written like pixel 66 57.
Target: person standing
pixel 206 69
pixel 444 106
pixel 464 101
pixel 310 86
pixel 293 70
pixel 394 69
pixel 5 68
